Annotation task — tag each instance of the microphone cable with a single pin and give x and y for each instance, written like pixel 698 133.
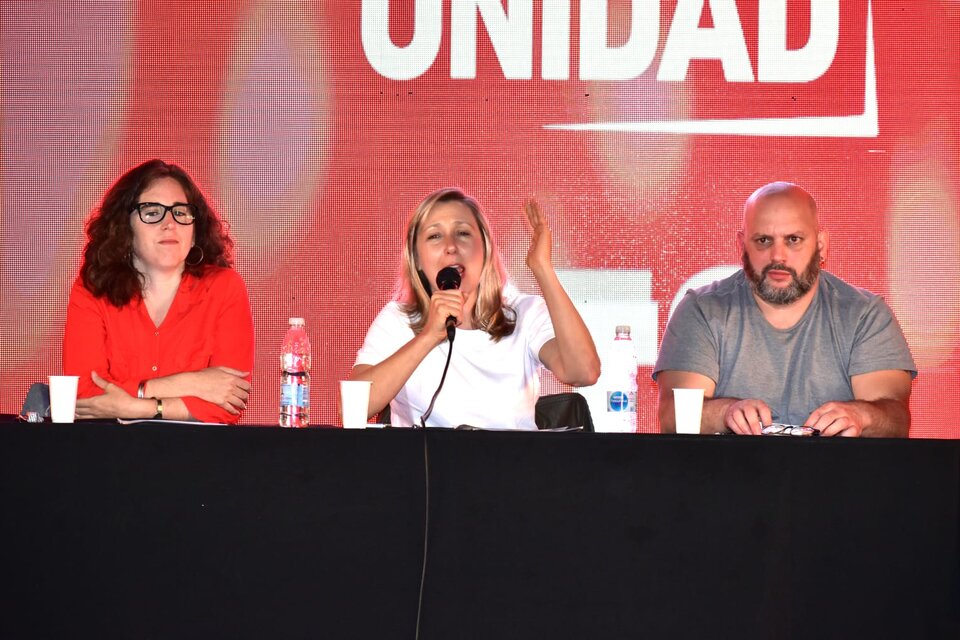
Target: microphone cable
pixel 426 485
pixel 423 418
pixel 426 529
pixel 447 278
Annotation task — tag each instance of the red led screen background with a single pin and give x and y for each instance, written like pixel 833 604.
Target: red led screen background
pixel 316 127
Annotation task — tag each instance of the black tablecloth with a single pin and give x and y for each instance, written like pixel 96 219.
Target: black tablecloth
pixel 154 531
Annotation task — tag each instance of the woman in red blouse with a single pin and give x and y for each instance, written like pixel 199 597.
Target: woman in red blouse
pixel 158 324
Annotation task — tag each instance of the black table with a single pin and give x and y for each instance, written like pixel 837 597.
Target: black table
pixel 162 531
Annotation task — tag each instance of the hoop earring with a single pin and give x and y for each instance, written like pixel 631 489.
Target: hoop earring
pixel 199 260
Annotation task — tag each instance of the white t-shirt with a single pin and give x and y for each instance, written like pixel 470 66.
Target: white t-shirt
pixel 492 385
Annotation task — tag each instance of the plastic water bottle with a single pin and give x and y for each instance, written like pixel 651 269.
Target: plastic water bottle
pixel 620 385
pixel 295 376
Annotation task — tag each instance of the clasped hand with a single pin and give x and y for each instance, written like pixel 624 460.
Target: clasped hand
pixel 114 402
pixel 223 386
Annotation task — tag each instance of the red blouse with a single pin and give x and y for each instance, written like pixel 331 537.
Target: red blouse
pixel 209 324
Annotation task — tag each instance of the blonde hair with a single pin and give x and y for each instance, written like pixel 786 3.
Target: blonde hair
pixel 490 314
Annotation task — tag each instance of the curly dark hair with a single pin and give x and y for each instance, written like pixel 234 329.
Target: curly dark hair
pixel 107 270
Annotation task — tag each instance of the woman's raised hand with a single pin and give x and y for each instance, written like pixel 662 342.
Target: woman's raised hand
pixel 541 239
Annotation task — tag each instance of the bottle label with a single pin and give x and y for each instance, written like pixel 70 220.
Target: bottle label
pixel 621 401
pixel 294 395
pixel 294 361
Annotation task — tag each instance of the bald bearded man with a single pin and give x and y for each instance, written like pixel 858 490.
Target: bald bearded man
pixel 783 341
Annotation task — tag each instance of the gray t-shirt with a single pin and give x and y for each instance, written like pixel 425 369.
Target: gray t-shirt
pixel 719 331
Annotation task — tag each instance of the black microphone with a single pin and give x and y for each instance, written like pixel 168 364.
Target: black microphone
pixel 449 278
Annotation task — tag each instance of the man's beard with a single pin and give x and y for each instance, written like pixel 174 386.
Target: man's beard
pixel 800 285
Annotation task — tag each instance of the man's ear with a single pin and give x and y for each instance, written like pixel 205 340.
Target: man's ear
pixel 823 244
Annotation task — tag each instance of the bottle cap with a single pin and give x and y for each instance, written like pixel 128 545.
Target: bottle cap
pixel 297 321
pixel 623 328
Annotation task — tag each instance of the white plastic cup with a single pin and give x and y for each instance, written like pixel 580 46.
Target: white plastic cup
pixel 63 398
pixel 354 403
pixel 688 409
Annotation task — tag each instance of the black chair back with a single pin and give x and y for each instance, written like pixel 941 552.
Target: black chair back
pixel 555 410
pixel 563 410
pixel 37 401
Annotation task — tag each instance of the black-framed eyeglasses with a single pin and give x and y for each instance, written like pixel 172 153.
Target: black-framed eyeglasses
pixel 777 429
pixel 154 212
